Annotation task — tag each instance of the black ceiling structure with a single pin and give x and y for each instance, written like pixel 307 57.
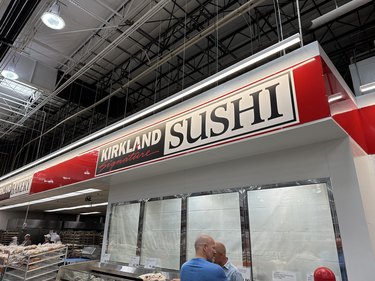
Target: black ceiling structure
pixel 132 60
pixel 15 17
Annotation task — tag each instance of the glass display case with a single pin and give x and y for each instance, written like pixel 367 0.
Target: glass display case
pixel 97 271
pixel 270 231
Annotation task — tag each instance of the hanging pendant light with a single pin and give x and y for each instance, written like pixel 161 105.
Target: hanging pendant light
pixel 9 72
pixel 52 18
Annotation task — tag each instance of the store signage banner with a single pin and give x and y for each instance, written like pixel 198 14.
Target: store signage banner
pixel 252 109
pixel 131 150
pixel 77 169
pixel 15 188
pixel 249 110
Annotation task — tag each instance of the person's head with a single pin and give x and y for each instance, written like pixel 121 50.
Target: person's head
pixel 13 241
pixel 221 254
pixel 27 237
pixel 205 247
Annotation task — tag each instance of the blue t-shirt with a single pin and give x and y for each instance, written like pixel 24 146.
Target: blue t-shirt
pixel 199 269
pixel 232 272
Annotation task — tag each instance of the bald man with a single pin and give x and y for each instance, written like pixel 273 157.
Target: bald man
pixel 202 268
pixel 231 272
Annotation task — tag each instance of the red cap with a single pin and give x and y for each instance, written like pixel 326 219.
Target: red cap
pixel 324 274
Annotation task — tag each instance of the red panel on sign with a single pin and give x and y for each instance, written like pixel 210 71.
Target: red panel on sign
pixel 368 120
pixel 351 122
pixel 310 91
pixel 345 112
pixel 338 98
pixel 77 169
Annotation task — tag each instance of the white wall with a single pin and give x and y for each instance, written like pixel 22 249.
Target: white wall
pixel 331 159
pixel 365 168
pixel 356 241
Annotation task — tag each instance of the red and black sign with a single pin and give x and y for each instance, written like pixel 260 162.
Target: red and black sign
pixel 131 150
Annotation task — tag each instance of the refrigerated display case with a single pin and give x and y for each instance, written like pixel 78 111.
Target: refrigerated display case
pixel 97 271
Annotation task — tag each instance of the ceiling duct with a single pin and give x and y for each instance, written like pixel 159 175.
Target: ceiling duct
pixel 338 12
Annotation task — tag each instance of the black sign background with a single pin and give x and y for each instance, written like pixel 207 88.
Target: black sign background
pixel 132 158
pixel 5 196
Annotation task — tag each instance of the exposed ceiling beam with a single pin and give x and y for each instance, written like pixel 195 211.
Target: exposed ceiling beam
pixel 12 22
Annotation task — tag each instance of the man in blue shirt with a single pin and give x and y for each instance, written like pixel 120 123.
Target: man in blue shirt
pixel 202 268
pixel 221 259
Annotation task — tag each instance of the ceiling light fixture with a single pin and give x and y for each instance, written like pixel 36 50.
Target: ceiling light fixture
pixel 9 71
pixel 335 97
pixel 90 213
pixel 52 18
pixel 282 45
pixel 10 74
pixel 77 207
pixel 43 200
pixel 336 13
pixel 367 87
